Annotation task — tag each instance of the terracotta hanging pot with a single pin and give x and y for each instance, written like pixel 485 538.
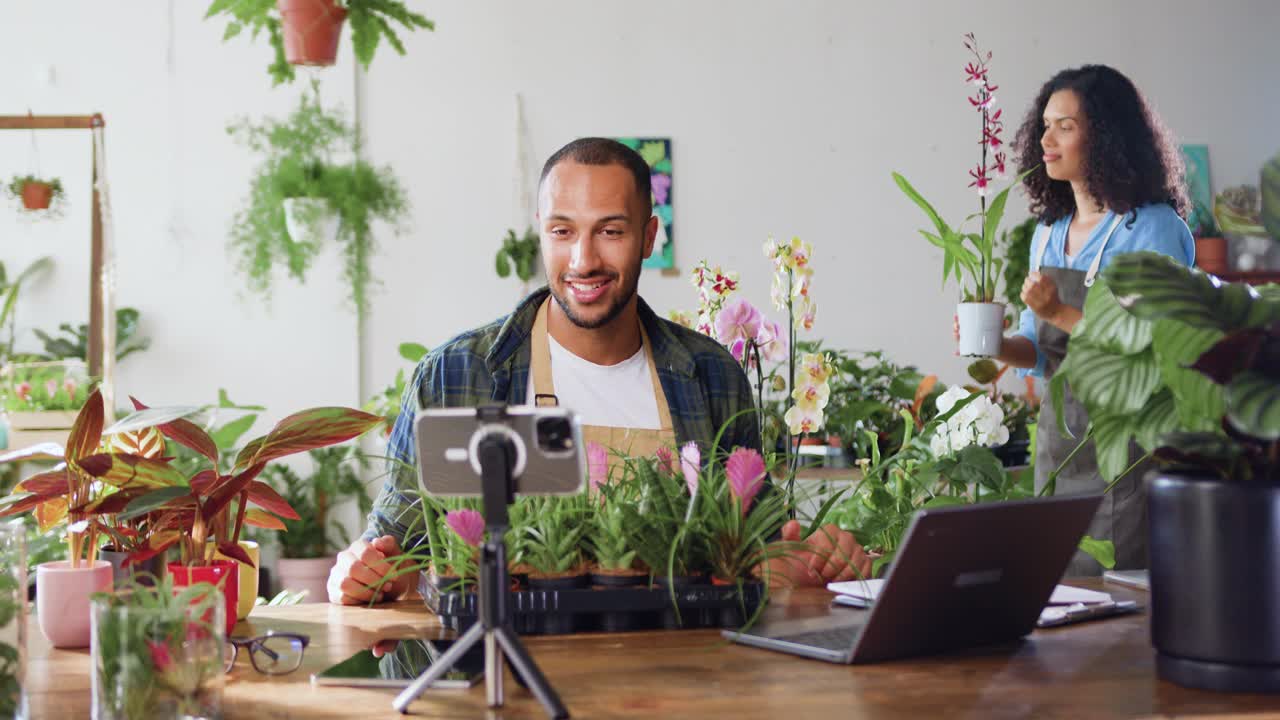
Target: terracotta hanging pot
pixel 37 195
pixel 312 29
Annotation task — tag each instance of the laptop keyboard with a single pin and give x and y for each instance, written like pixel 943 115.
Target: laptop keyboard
pixel 839 638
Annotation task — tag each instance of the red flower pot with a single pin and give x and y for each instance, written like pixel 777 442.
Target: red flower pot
pixel 312 29
pixel 37 195
pixel 222 573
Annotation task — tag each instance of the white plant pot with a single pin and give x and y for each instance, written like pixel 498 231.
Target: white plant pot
pixel 306 574
pixel 981 328
pixel 310 220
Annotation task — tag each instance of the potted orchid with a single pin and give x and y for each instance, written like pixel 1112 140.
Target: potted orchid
pixel 981 318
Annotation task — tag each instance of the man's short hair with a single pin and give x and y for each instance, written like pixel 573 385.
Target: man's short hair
pixel 603 151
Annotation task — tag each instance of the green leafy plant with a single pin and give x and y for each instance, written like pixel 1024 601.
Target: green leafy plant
pixel 12 594
pixel 607 539
pixel 333 481
pixel 1207 225
pixel 371 22
pixel 74 340
pixel 157 649
pixel 1016 250
pixel 1181 363
pixel 43 386
pixel 662 524
pixel 518 253
pixel 868 392
pixel 9 291
pixel 297 161
pixel 555 534
pixel 1235 210
pixel 17 186
pixel 388 402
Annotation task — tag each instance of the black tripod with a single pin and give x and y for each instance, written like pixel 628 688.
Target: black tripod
pixel 496 451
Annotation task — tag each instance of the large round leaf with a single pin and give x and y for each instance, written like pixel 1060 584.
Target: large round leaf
pixel 1110 326
pixel 1177 345
pixel 1159 416
pixel 1253 405
pixel 1111 435
pixel 1153 286
pixel 1111 383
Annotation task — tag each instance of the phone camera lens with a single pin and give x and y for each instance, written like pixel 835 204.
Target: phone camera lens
pixel 555 434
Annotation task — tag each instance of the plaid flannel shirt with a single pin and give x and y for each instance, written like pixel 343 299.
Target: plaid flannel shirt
pixel 703 384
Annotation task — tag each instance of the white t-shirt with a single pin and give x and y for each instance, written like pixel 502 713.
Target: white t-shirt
pixel 619 395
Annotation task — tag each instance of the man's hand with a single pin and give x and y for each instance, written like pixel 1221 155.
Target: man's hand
pixel 361 573
pixel 834 556
pixel 1040 293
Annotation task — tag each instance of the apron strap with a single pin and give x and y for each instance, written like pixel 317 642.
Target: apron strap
pixel 1044 244
pixel 1097 259
pixel 544 389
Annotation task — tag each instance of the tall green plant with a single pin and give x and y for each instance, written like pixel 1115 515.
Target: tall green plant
pixel 371 22
pixel 9 291
pixel 299 159
pixel 74 339
pixel 1016 244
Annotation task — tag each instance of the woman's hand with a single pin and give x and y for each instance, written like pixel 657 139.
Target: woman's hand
pixel 1040 293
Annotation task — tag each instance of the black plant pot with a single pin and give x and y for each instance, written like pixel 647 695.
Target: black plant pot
pixel 616 581
pixel 147 572
pixel 680 581
pixel 1014 453
pixel 1215 582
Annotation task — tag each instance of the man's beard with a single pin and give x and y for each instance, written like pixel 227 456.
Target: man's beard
pixel 615 309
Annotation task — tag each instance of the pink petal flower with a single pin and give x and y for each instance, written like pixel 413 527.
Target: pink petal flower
pixel 739 319
pixel 597 465
pixel 690 464
pixel 772 340
pixel 160 656
pixel 738 349
pixel 23 391
pixel 666 460
pixel 69 384
pixel 51 387
pixel 745 469
pixel 467 524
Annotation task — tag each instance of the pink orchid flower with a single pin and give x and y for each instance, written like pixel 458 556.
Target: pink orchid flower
pixel 690 464
pixel 745 469
pixel 772 341
pixel 597 465
pixel 666 460
pixel 738 320
pixel 467 524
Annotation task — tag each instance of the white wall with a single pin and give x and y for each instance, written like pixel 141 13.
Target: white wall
pixel 786 118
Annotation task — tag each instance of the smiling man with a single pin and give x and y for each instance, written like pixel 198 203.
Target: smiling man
pixel 588 342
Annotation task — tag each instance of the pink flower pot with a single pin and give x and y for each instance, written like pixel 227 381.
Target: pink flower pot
pixel 306 574
pixel 62 600
pixel 223 573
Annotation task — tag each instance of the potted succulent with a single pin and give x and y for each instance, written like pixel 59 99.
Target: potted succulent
pixel 36 193
pixel 196 512
pixel 1192 373
pixel 308 545
pixel 306 32
pixel 981 317
pixel 298 163
pixel 158 652
pixel 63 495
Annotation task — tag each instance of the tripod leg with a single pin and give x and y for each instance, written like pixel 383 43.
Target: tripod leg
pixel 438 668
pixel 524 665
pixel 493 670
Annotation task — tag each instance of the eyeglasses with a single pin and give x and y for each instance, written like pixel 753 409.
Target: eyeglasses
pixel 276 653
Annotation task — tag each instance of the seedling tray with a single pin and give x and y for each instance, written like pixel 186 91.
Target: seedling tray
pixel 605 609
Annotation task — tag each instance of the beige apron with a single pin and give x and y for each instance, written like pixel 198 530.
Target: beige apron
pixel 1122 516
pixel 631 442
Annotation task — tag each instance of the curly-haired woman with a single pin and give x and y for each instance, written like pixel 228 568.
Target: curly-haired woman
pixel 1108 180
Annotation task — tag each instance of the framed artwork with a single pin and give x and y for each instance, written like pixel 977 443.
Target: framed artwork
pixel 1196 158
pixel 657 152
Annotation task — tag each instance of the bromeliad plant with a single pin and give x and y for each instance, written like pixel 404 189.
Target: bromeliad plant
pixel 980 264
pixel 738 523
pixel 660 522
pixel 45 386
pixel 462 537
pixel 607 538
pixel 554 538
pixel 196 512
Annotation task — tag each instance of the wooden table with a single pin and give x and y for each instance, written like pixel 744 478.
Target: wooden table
pixel 1102 669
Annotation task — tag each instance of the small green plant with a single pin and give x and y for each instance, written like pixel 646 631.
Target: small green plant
pixel 43 387
pixel 370 23
pixel 9 290
pixel 36 193
pixel 157 649
pixel 661 523
pixel 606 538
pixel 334 480
pixel 555 534
pixel 389 402
pixel 298 162
pixel 74 340
pixel 1016 244
pixel 519 253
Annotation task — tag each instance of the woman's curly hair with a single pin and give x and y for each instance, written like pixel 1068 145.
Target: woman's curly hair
pixel 1131 159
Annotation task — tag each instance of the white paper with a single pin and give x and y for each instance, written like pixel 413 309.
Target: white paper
pixel 1062 594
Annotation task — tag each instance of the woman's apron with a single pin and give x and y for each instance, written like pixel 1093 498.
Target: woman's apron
pixel 632 442
pixel 1122 516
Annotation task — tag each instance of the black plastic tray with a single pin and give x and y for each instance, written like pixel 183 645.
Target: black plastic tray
pixel 600 609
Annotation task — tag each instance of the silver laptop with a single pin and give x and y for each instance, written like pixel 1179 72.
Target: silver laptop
pixel 964 576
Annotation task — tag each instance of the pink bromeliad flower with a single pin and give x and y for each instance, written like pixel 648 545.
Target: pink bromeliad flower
pixel 690 464
pixel 666 460
pixel 466 524
pixel 597 465
pixel 23 391
pixel 745 469
pixel 69 384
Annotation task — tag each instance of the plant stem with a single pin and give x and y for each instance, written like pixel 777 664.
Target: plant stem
pixel 1122 475
pixel 755 351
pixel 1051 485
